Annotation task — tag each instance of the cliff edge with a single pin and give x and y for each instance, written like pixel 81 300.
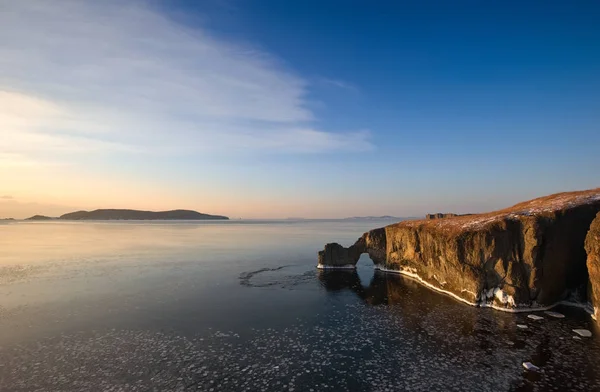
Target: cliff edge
pixel 528 255
pixel 592 247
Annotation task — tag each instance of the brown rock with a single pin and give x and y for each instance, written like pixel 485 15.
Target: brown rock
pixel 528 254
pixel 592 247
pixel 335 255
pixel 439 215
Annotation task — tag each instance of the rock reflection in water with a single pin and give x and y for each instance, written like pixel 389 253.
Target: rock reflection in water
pixel 383 288
pixel 458 330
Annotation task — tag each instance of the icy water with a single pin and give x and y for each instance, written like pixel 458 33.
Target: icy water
pixel 239 306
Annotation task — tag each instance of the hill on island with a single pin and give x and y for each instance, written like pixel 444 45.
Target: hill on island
pixel 39 218
pixel 374 218
pixel 120 214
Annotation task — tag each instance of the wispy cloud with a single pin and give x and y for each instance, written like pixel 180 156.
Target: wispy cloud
pixel 90 77
pixel 6 197
pixel 338 83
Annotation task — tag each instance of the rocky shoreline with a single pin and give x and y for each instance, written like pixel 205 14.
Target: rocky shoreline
pixel 531 256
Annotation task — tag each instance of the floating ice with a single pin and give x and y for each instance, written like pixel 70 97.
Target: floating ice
pixel 350 342
pixel 347 266
pixel 531 367
pixel 554 314
pixel 535 317
pixel 583 332
pixel 522 326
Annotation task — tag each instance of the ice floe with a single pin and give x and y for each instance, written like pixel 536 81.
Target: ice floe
pixel 346 266
pixel 583 332
pixel 348 347
pixel 531 367
pixel 535 317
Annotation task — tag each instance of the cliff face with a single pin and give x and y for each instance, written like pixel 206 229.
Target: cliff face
pixel 592 247
pixel 439 215
pixel 336 256
pixel 527 255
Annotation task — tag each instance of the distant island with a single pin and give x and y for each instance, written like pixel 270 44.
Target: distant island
pixel 39 218
pixel 122 214
pixel 384 217
pixel 357 218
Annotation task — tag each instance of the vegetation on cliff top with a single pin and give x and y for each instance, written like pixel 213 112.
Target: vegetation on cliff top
pixel 546 205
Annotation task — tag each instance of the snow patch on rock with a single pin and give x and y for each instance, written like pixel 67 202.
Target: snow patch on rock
pixel 500 295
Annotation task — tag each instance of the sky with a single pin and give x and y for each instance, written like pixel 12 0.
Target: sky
pixel 315 109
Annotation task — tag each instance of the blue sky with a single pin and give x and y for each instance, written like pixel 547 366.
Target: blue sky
pixel 315 109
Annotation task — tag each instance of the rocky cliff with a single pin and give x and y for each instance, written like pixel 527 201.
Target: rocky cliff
pixel 439 215
pixel 528 255
pixel 592 247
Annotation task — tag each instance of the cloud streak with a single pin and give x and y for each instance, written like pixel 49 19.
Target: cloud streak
pixel 95 77
pixel 339 84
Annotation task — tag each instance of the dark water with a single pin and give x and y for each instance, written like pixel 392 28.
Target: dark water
pixel 239 306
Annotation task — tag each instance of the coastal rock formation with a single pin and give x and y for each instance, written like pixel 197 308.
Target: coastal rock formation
pixel 336 256
pixel 592 247
pixel 440 215
pixel 531 254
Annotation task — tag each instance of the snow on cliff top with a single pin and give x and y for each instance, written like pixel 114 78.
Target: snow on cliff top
pixel 539 206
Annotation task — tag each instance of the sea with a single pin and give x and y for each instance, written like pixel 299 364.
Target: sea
pixel 239 306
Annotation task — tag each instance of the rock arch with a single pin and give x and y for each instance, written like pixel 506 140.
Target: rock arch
pixel 373 243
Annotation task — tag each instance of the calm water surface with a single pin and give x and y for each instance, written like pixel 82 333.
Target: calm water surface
pixel 239 306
